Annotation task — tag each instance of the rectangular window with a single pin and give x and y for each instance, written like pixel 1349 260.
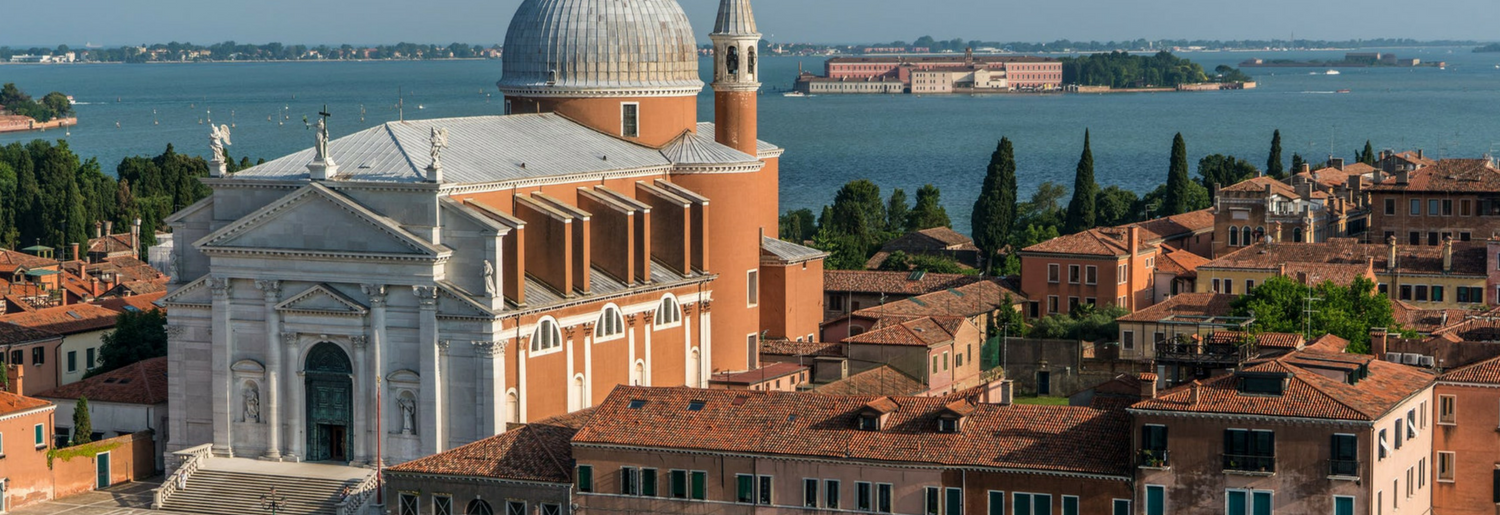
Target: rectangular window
pixel 551 509
pixel 409 504
pixel 1069 505
pixel 1041 504
pixel 630 122
pixel 1156 500
pixel 1447 410
pixel 1121 275
pixel 648 482
pixel 1421 292
pixel 1432 207
pixel 862 494
pixel 1154 445
pixel 1437 293
pixel 752 285
pixel 442 505
pixel 831 494
pixel 585 479
pixel 1249 285
pixel 953 502
pixel 41 440
pixel 1447 208
pixel 1416 207
pixel 996 503
pixel 1091 275
pixel 1414 238
pixel 1343 505
pixel 1121 507
pixel 1072 304
pixel 1249 450
pixel 38 355
pixel 883 497
pixel 1390 206
pixel 1385 446
pixel 745 488
pixel 1464 207
pixel 810 493
pixel 515 508
pixel 1445 466
pixel 630 480
pixel 1400 432
pixel 1073 274
pixel 700 485
pixel 1021 504
pixel 1052 304
pixel 1495 485
pixel 72 361
pixel 1432 239
pixel 1463 294
pixel 1228 287
pixel 945 361
pixel 1406 292
pixel 88 362
pixel 1127 340
pixel 1344 456
pixel 1422 472
pixel 678 484
pixel 1052 273
pixel 765 490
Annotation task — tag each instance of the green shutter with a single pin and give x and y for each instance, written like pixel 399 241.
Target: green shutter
pixel 955 501
pixel 1262 502
pixel 746 489
pixel 1156 503
pixel 1070 505
pixel 38 430
pixel 585 478
pixel 1042 503
pixel 1343 506
pixel 700 483
pixel 648 482
pixel 1236 503
pixel 1023 504
pixel 997 503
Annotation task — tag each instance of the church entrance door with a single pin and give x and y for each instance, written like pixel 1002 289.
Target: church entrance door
pixel 330 387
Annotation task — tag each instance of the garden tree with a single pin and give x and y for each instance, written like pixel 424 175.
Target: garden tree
pixel 1042 209
pixel 1273 162
pixel 1034 234
pixel 1086 322
pixel 4 376
pixel 900 261
pixel 1151 205
pixel 8 204
pixel 138 335
pixel 796 226
pixel 1008 323
pixel 1081 210
pixel 858 211
pixel 929 211
pixel 1117 206
pixel 1176 199
pixel 1218 171
pixel 1123 70
pixel 994 216
pixel 83 428
pixel 844 253
pixel 1368 156
pixel 897 210
pixel 1279 306
pixel 1297 162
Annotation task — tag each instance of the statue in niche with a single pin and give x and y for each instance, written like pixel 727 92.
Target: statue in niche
pixel 489 278
pixel 252 403
pixel 408 414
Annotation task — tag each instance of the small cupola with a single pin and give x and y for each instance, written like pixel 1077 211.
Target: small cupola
pixel 873 415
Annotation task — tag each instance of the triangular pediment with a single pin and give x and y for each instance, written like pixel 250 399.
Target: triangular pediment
pixel 318 219
pixel 322 298
pixel 193 293
pixel 454 303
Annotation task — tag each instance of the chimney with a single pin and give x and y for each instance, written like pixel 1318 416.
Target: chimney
pixel 1403 176
pixel 1378 342
pixel 17 375
pixel 1447 253
pixel 1148 385
pixel 98 229
pixel 1337 163
pixel 75 252
pixel 1390 243
pixel 1306 168
pixel 1419 153
pixel 1193 395
pixel 1355 196
pixel 1130 271
pixel 109 228
pixel 1277 227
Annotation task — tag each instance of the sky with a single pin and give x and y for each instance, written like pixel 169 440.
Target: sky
pixel 119 22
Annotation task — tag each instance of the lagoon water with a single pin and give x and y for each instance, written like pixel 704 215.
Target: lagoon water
pixel 897 141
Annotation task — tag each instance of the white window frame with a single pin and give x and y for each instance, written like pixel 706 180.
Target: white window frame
pixel 1249 499
pixel 1451 458
pixel 537 343
pixel 752 287
pixel 1353 501
pixel 662 306
pixel 39 435
pixel 838 494
pixel 1452 418
pixel 1122 274
pixel 1114 504
pixel 1054 273
pixel 637 106
pixel 435 497
pixel 1127 340
pixel 1071 268
pixel 989 501
pixel 603 331
pixel 1146 496
pixel 1090 275
pixel 817 492
pixel 1062 505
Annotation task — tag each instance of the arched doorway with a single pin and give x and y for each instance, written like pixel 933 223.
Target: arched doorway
pixel 330 407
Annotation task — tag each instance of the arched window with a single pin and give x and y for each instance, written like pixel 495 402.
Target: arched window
pixel 1234 236
pixel 1245 238
pixel 546 337
pixel 668 312
pixel 732 61
pixel 1297 235
pixel 479 507
pixel 610 323
pixel 513 407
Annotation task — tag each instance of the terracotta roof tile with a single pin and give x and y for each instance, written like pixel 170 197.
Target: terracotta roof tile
pixel 1483 372
pixel 1177 226
pixel 898 283
pixel 769 372
pixel 1259 184
pixel 1185 304
pixel 1307 394
pixel 930 240
pixel 144 382
pixel 1104 241
pixel 1448 175
pixel 70 319
pixel 1329 343
pixel 924 331
pixel 12 334
pixel 1180 263
pixel 1042 438
pixel 1468 257
pixel 1271 340
pixel 786 347
pixel 1426 321
pixel 539 451
pixel 881 380
pixel 12 403
pixel 10 260
pixel 967 300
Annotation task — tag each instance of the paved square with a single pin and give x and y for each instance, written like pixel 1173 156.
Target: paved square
pixel 127 499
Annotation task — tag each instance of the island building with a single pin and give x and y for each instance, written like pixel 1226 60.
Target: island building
pixel 933 74
pixel 422 284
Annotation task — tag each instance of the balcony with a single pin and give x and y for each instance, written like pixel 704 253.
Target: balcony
pixel 1250 463
pixel 1153 459
pixel 1227 354
pixel 1343 468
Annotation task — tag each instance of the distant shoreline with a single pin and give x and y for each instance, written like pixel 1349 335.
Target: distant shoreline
pixel 262 61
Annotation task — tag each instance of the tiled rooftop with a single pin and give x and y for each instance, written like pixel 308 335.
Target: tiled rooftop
pixel 1468 257
pixel 144 382
pixel 1448 175
pixel 1104 241
pixel 12 403
pixel 12 334
pixel 1041 438
pixel 881 380
pixel 69 319
pixel 896 283
pixel 1181 263
pixel 770 372
pixel 1259 184
pixel 786 347
pixel 1483 372
pixel 1265 340
pixel 967 300
pixel 1178 225
pixel 539 451
pixel 1184 304
pixel 922 331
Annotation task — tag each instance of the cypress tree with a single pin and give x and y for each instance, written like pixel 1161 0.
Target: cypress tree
pixel 83 428
pixel 1176 201
pixel 897 211
pixel 1273 163
pixel 994 216
pixel 1297 161
pixel 1369 154
pixel 1081 210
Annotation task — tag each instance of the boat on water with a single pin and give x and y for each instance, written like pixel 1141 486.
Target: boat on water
pixel 1342 91
pixel 1331 72
pixel 794 94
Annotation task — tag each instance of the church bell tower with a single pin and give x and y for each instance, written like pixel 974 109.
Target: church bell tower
pixel 736 75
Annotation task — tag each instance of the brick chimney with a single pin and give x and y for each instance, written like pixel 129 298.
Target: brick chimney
pixel 75 252
pixel 1148 385
pixel 17 375
pixel 1193 395
pixel 1337 163
pixel 1306 168
pixel 98 229
pixel 1378 342
pixel 1403 176
pixel 1447 253
pixel 1355 195
pixel 1390 243
pixel 109 227
pixel 1419 153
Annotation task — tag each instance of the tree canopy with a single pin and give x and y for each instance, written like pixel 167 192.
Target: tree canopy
pixel 1176 199
pixel 53 105
pixel 83 425
pixel 1218 171
pixel 1281 305
pixel 994 216
pixel 929 211
pixel 138 335
pixel 1273 161
pixel 1123 70
pixel 1082 208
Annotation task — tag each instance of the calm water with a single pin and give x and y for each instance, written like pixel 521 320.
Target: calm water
pixel 898 141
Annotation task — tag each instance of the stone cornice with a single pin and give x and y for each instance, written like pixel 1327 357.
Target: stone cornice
pixel 545 91
pixel 325 255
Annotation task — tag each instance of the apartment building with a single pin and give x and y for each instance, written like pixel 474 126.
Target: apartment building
pixel 1100 267
pixel 1423 204
pixel 1466 413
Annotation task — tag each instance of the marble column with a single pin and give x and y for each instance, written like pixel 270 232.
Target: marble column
pixel 361 393
pixel 223 361
pixel 492 399
pixel 377 295
pixel 295 432
pixel 442 394
pixel 430 424
pixel 272 292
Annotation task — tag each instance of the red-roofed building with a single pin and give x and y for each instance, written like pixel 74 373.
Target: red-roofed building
pixel 780 377
pixel 26 426
pixel 1464 465
pixel 1421 204
pixel 1306 432
pixel 1262 208
pixel 942 352
pixel 82 327
pixel 121 402
pixel 1103 266
pixel 34 352
pixel 847 291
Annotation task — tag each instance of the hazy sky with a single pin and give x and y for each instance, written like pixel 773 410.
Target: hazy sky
pixel 116 22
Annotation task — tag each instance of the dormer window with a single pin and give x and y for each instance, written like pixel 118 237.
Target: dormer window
pixel 947 425
pixel 869 422
pixel 1262 384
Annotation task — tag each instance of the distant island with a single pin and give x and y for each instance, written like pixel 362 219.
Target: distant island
pixel 1351 60
pixel 19 113
pixel 230 51
pixel 1492 47
pixel 929 45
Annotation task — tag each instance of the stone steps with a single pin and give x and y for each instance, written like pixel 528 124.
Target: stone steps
pixel 221 492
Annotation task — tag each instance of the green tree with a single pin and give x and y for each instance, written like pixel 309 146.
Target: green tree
pixel 858 210
pixel 58 103
pixel 796 226
pixel 994 216
pixel 1273 162
pixel 1218 171
pixel 1086 322
pixel 1280 305
pixel 1297 162
pixel 1176 200
pixel 1081 210
pixel 897 211
pixel 83 427
pixel 929 211
pixel 1117 206
pixel 1368 156
pixel 138 335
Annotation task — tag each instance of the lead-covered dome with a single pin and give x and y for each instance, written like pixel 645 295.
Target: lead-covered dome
pixel 600 48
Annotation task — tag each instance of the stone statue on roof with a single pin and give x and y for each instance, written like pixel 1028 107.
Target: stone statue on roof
pixel 489 278
pixel 322 135
pixel 216 142
pixel 439 142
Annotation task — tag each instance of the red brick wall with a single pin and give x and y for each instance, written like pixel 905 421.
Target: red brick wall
pixel 131 457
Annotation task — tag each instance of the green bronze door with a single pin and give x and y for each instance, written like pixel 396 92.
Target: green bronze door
pixel 329 403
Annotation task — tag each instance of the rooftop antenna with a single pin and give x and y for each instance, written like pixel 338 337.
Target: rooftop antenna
pixel 400 105
pixel 1307 311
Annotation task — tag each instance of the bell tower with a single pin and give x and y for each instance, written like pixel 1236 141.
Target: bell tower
pixel 736 75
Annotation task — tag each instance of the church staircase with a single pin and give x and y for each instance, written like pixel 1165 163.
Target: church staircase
pixel 228 486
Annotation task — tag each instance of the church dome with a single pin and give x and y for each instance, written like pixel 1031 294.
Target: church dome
pixel 596 48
